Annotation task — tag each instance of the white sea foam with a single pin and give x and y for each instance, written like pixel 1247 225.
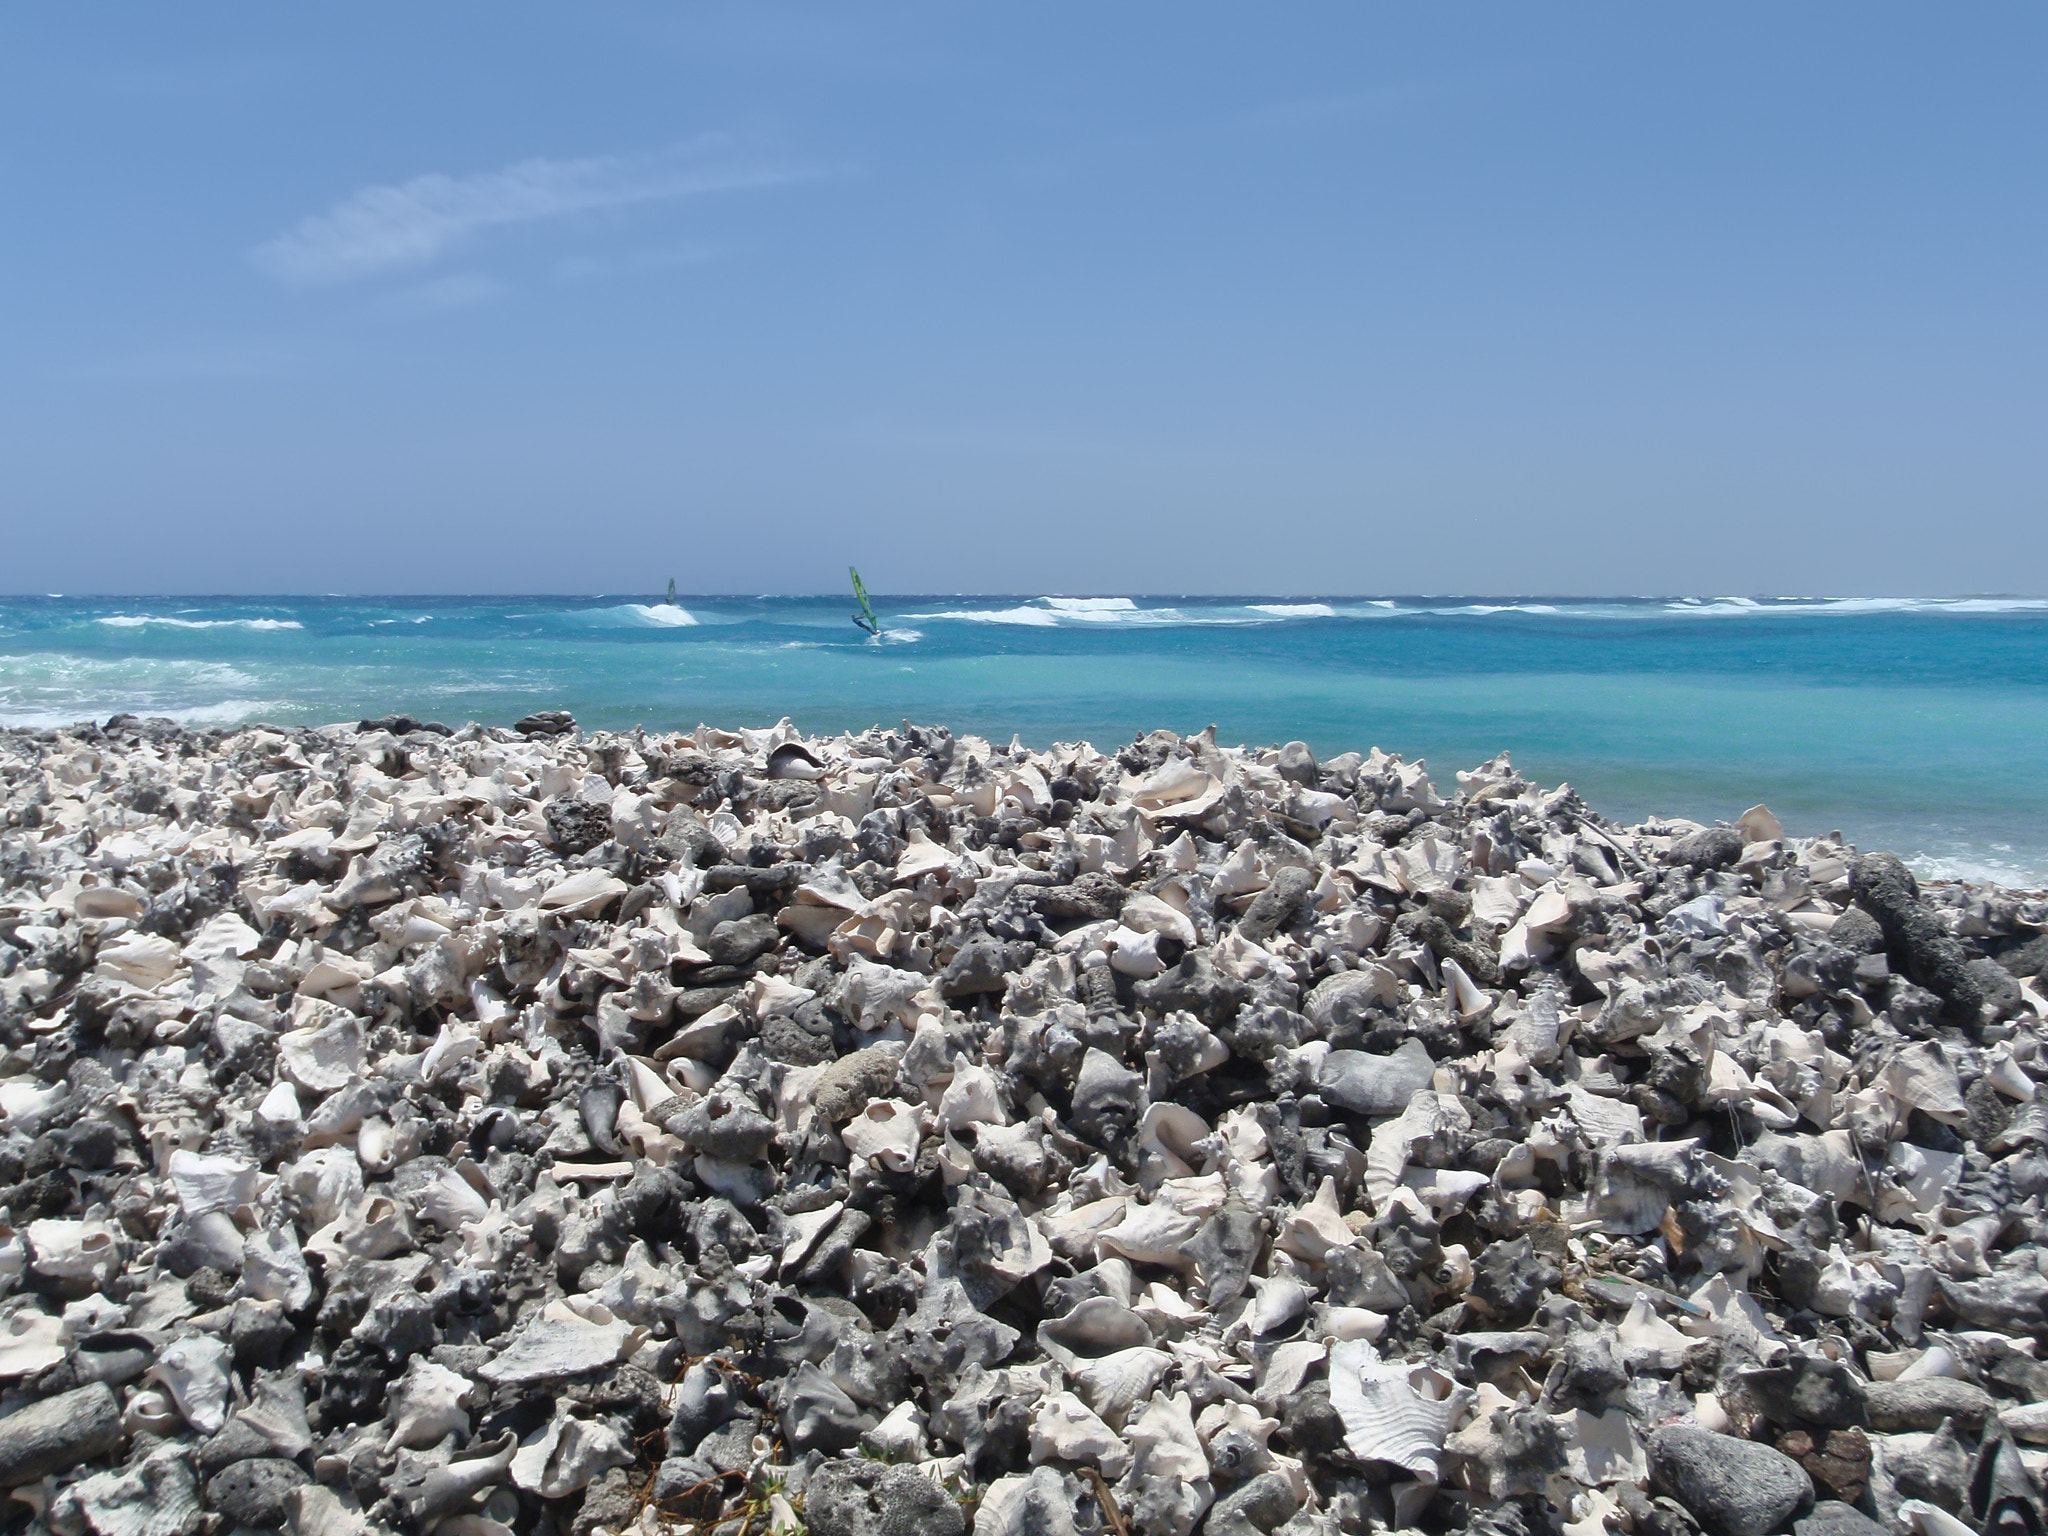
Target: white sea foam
pixel 664 615
pixel 623 615
pixel 1295 610
pixel 1977 868
pixel 137 620
pixel 1039 618
pixel 1082 606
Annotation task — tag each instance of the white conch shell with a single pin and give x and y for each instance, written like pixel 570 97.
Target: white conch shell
pixel 102 901
pixel 1155 1233
pixel 450 1201
pixel 584 891
pixel 1281 1299
pixel 194 1370
pixel 144 960
pixel 426 1404
pixel 569 1454
pixel 1063 1428
pixel 766 996
pixel 970 1098
pixel 1315 1227
pixel 68 1248
pixel 1025 1504
pixel 1396 1413
pixel 1167 1452
pixel 324 1058
pixel 274 1268
pixel 900 1435
pixel 151 1411
pixel 1648 1343
pixel 1135 954
pixel 1117 1383
pixel 158 1496
pixel 886 1133
pixel 560 1343
pixel 212 1183
pixel 1094 1327
pixel 30 1341
pixel 1923 1077
pixel 372 1228
pixel 1170 1133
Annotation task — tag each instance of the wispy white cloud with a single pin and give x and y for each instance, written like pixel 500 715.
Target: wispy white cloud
pixel 457 290
pixel 382 229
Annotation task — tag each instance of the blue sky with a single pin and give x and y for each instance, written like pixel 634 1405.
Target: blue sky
pixel 1190 297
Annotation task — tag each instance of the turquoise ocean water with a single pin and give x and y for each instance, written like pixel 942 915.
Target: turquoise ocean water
pixel 1914 724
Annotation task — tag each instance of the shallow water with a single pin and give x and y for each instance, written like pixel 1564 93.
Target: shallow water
pixel 1914 724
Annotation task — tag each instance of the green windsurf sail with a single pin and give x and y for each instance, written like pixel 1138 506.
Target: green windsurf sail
pixel 865 619
pixel 671 591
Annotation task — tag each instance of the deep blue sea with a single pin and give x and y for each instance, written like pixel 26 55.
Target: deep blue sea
pixel 1914 724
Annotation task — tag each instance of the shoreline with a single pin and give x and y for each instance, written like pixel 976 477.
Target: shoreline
pixel 1188 1132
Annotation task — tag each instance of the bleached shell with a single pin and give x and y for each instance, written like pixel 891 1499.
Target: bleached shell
pixel 1133 953
pixel 1396 1413
pixel 158 1496
pixel 1315 1227
pixel 274 1269
pixel 324 1182
pixel 971 1098
pixel 323 1058
pixel 1923 1077
pixel 770 996
pixel 1280 1300
pixel 1075 1230
pixel 1365 1084
pixel 1063 1428
pixel 212 1183
pixel 1094 1327
pixel 1602 1449
pixel 1146 913
pixel 1025 1504
pixel 568 1455
pixel 1336 1323
pixel 25 1102
pixel 30 1341
pixel 885 1133
pixel 2026 1421
pixel 1171 1132
pixel 72 1248
pixel 374 1227
pixel 194 1370
pixel 559 1344
pixel 450 1201
pixel 428 1403
pixel 1167 1453
pixel 921 857
pixel 150 1411
pixel 1116 1383
pixel 144 960
pixel 900 1434
pixel 1155 1233
pixel 584 891
pixel 102 901
pixel 1648 1343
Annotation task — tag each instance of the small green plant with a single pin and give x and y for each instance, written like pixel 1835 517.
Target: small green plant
pixel 865 619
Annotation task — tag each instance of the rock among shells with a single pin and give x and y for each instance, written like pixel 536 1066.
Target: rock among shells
pixel 481 1131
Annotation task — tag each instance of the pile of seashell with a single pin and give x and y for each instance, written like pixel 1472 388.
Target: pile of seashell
pixel 513 1130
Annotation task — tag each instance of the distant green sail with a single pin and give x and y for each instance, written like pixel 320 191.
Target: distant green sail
pixel 866 617
pixel 671 591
